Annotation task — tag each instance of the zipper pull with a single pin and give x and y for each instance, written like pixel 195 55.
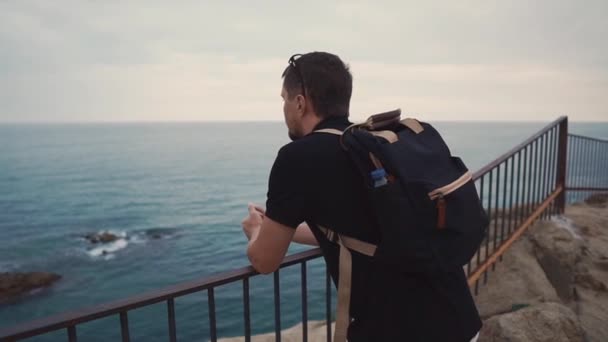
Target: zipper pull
pixel 441 212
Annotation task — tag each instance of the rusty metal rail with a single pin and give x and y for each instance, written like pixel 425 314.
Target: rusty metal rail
pixel 519 187
pixel 533 181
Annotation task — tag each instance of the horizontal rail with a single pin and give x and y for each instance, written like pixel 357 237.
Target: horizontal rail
pixel 517 148
pixel 585 189
pixel 587 138
pixel 70 318
pixel 516 234
pixel 586 163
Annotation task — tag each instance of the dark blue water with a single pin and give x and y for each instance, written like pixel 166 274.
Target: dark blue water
pixel 188 184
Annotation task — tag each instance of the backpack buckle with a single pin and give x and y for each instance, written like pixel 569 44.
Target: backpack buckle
pixel 331 236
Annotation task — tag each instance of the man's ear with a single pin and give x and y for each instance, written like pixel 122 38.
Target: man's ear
pixel 301 100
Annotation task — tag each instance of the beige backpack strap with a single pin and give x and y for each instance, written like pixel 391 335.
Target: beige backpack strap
pixel 345 277
pixel 356 245
pixel 344 286
pixel 389 136
pixel 413 124
pixel 329 130
pixel 362 247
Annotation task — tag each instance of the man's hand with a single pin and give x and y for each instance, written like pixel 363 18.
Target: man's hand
pixel 268 240
pixel 253 221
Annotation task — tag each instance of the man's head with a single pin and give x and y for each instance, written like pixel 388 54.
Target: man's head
pixel 316 86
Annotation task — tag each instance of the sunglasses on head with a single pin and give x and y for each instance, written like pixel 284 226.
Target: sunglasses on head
pixel 294 65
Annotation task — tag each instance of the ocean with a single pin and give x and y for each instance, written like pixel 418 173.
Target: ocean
pixel 176 194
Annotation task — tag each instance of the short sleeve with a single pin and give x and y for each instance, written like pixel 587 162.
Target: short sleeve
pixel 286 202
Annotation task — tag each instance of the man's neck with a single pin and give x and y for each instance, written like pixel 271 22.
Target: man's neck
pixel 310 122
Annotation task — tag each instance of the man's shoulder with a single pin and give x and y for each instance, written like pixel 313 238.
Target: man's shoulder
pixel 306 147
pixel 293 156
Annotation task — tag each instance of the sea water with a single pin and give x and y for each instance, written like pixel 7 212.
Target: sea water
pixel 174 194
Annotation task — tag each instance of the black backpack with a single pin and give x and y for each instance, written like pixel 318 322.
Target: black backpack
pixel 424 199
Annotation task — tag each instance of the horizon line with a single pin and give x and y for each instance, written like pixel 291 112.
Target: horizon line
pixel 259 121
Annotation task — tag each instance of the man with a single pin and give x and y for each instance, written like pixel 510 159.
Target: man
pixel 313 183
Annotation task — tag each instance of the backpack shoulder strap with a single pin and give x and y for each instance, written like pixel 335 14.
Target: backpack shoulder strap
pixel 345 277
pixel 390 136
pixel 329 130
pixel 413 124
pixel 356 245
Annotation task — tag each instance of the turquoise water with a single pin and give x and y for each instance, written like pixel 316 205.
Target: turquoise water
pixel 188 183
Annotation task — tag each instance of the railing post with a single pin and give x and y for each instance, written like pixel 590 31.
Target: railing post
pixel 562 161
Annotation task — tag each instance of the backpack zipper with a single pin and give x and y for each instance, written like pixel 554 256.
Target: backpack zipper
pixel 448 189
pixel 440 193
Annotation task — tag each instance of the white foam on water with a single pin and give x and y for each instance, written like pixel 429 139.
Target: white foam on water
pixel 138 239
pixel 109 256
pixel 566 223
pixel 106 251
pixel 108 248
pixel 120 234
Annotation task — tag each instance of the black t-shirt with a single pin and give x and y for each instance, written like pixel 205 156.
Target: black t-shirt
pixel 313 181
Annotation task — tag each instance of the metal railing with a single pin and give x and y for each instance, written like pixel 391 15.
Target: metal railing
pixel 532 182
pixel 516 189
pixel 70 320
pixel 587 167
pixel 521 186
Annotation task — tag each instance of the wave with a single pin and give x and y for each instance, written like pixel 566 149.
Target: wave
pixel 108 248
pixel 124 239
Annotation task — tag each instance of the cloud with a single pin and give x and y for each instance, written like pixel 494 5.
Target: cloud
pixel 131 61
pixel 488 92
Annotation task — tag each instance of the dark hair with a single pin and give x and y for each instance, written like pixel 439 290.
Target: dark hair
pixel 324 79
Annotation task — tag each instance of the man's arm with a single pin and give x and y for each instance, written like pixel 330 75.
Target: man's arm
pixel 305 236
pixel 268 245
pixel 254 220
pixel 269 240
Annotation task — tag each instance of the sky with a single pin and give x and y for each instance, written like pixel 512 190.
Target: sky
pixel 125 61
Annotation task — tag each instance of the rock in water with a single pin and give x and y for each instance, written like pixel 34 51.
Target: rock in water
pixel 103 237
pixel 14 284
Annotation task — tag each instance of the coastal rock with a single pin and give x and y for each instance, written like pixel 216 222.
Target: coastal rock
pixel 592 310
pixel 566 256
pixel 101 237
pixel 547 322
pixel 591 276
pixel 517 281
pixel 159 233
pixel 558 250
pixel 597 200
pixel 14 284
